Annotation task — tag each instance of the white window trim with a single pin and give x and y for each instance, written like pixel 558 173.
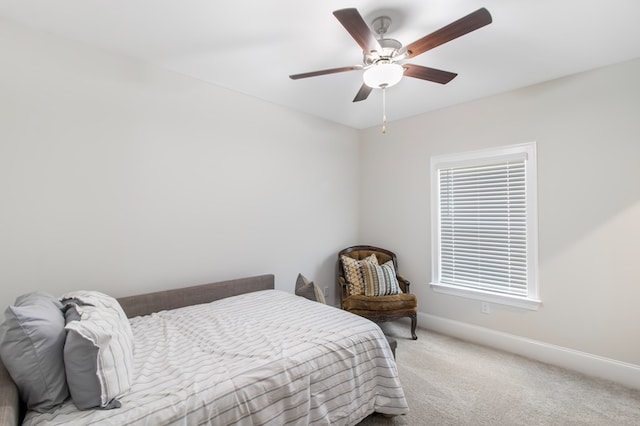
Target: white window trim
pixel 525 151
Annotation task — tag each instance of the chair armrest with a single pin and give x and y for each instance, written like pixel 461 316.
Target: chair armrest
pixel 404 283
pixel 343 289
pixel 342 282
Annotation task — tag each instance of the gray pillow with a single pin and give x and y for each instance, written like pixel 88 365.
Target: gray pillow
pixel 308 289
pixel 31 346
pixel 98 353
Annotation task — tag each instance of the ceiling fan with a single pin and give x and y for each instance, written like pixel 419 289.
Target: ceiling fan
pixel 384 58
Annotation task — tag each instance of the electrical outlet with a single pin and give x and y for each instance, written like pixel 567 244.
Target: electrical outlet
pixel 486 308
pixel 326 292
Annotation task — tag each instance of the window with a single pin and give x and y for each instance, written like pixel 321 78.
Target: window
pixel 484 225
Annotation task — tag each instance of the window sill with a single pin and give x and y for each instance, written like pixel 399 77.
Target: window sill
pixel 502 299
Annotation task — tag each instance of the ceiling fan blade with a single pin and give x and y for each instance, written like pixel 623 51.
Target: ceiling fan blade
pixel 363 93
pixel 426 73
pixel 462 26
pixel 352 21
pixel 324 72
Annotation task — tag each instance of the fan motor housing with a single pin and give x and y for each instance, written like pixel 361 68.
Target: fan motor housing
pixel 389 48
pixel 380 26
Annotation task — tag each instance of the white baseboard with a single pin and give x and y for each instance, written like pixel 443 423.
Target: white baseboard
pixel 592 365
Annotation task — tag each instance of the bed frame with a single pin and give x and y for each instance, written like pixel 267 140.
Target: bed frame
pixel 12 409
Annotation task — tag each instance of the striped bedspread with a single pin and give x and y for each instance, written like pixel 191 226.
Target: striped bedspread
pixel 263 358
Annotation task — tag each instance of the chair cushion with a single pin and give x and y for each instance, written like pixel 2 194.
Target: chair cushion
pixel 353 272
pixel 381 304
pixel 379 280
pixel 384 315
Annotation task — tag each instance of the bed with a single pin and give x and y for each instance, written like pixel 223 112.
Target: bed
pixel 240 352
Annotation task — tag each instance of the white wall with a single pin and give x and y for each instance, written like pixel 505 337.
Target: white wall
pixel 588 134
pixel 123 178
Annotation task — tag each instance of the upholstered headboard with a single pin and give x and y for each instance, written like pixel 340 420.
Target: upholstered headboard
pixel 144 304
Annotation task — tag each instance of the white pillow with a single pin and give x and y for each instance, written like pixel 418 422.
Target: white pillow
pixel 98 352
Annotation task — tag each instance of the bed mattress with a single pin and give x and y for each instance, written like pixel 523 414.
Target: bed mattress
pixel 267 357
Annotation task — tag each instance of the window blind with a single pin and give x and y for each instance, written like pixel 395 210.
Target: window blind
pixel 483 227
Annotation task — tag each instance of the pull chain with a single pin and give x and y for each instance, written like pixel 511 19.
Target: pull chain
pixel 384 110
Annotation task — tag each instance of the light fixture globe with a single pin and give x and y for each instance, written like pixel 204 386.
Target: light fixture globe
pixel 383 75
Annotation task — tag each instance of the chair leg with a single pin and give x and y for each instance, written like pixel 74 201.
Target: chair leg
pixel 414 323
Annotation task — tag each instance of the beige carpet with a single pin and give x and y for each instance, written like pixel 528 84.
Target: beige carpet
pixel 452 382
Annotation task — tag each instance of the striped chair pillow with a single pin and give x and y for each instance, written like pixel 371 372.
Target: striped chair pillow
pixel 380 280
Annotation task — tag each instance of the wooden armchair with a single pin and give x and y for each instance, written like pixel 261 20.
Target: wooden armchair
pixel 376 308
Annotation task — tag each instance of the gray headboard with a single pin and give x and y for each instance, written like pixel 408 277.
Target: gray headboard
pixel 144 304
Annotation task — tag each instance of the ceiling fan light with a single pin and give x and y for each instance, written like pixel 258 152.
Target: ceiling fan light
pixel 383 75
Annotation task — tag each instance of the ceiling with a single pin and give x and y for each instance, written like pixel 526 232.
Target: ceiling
pixel 252 46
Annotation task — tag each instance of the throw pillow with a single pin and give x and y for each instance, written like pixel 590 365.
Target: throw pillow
pixel 309 290
pixel 353 272
pixel 98 351
pixel 380 280
pixel 31 347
